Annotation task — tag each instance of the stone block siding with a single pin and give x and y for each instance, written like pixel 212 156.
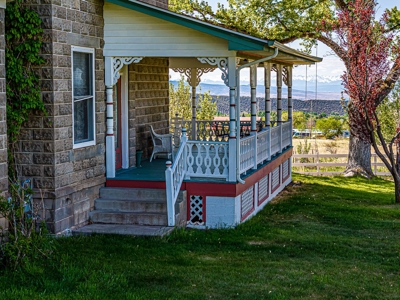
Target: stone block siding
pixel 3 127
pixel 70 178
pixel 159 3
pixel 148 104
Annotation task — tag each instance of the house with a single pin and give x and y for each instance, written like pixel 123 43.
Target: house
pixel 105 81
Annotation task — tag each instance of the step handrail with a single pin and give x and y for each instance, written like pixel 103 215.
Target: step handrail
pixel 174 175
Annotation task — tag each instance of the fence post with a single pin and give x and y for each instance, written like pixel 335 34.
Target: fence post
pixel 318 173
pixel 170 193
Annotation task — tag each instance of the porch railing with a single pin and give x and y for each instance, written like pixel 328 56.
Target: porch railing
pixel 286 134
pixel 263 145
pixel 214 130
pixel 207 159
pixel 275 137
pixel 247 153
pixel 210 159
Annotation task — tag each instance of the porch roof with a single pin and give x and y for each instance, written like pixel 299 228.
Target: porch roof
pixel 239 44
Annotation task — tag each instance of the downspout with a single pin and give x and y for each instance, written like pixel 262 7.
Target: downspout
pixel 238 109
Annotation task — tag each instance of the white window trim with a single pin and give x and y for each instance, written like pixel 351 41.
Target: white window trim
pixel 91 51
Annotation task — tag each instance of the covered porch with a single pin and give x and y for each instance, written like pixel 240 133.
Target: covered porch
pixel 232 153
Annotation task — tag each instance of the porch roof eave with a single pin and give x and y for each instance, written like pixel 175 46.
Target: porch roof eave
pixel 241 44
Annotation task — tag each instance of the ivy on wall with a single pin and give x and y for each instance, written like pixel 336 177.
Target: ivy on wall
pixel 23 36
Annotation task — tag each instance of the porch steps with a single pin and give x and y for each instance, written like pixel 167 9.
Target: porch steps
pixel 131 211
pixel 130 206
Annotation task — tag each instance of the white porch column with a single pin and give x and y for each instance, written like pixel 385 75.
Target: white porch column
pixel 253 86
pixel 194 83
pixel 279 103
pixel 112 66
pixel 289 86
pixel 110 139
pixel 227 65
pixel 279 94
pixel 290 101
pixel 233 131
pixel 267 83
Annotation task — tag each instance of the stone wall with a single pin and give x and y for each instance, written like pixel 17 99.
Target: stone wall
pixel 148 104
pixel 68 179
pixel 159 3
pixel 3 125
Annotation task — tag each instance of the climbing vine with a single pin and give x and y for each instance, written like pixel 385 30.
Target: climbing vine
pixel 23 36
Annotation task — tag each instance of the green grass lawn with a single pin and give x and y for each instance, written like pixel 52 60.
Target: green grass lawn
pixel 323 238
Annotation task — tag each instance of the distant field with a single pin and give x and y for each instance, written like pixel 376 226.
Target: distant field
pixel 323 146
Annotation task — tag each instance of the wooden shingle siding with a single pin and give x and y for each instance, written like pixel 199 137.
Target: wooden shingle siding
pixel 130 33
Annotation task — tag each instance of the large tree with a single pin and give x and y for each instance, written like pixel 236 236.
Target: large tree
pixel 311 21
pixel 369 47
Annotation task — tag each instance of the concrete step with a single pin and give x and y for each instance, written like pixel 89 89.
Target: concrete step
pixel 135 230
pixel 150 206
pixel 132 194
pixel 139 218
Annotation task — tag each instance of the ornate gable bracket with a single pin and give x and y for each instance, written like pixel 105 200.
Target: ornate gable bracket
pixel 220 62
pixel 119 62
pixel 193 82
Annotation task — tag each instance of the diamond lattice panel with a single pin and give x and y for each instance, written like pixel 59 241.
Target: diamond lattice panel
pixel 196 210
pixel 263 186
pixel 247 201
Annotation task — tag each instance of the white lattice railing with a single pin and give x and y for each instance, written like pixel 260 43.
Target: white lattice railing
pixel 286 134
pixel 207 159
pixel 275 145
pixel 248 153
pixel 263 142
pixel 174 175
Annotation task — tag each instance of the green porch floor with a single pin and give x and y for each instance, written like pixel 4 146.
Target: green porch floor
pixel 149 171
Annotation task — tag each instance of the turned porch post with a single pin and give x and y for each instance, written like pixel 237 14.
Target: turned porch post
pixel 110 139
pixel 194 83
pixel 290 100
pixel 279 94
pixel 279 103
pixel 253 86
pixel 233 130
pixel 267 83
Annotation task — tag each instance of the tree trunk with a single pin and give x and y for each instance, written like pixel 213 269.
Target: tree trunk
pixel 396 191
pixel 359 159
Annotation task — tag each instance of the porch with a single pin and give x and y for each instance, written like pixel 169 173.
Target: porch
pixel 228 169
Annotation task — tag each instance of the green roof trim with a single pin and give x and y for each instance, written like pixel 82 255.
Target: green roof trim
pixel 239 41
pixel 236 41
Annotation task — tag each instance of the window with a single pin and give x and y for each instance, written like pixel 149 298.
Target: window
pixel 83 96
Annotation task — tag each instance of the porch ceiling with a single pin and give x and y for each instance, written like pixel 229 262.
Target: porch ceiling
pixel 133 28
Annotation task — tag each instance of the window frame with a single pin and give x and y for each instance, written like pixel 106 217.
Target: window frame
pixel 92 127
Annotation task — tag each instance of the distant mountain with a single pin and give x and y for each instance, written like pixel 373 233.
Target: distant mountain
pixel 327 89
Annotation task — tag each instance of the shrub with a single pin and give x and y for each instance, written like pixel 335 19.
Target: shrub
pixel 26 238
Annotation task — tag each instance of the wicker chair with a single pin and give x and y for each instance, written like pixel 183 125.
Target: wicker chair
pixel 162 143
